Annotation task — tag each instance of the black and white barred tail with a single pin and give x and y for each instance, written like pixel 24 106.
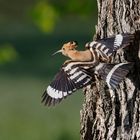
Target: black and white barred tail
pixel 113 74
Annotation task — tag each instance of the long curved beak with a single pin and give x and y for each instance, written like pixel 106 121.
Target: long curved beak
pixel 59 51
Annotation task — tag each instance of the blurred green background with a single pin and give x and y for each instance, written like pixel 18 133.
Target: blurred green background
pixel 30 31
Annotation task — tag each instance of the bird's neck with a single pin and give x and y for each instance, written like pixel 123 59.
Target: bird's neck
pixel 80 55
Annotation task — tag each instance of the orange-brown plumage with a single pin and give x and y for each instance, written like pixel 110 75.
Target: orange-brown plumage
pixel 69 50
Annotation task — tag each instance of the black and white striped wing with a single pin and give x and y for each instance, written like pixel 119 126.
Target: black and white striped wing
pixel 59 88
pixel 68 80
pixel 111 44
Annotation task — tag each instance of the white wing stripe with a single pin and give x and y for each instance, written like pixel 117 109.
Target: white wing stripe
pixel 75 75
pixel 111 73
pixel 55 93
pixel 87 81
pixel 118 40
pixel 73 70
pixel 81 78
pixel 98 45
pixel 102 47
pixel 92 43
pixel 106 51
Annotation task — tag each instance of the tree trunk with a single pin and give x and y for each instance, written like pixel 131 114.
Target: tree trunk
pixel 108 114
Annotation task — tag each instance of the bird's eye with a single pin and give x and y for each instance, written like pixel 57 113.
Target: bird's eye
pixel 76 43
pixel 71 42
pixel 63 48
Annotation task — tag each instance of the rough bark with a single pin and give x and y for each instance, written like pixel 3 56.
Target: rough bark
pixel 108 114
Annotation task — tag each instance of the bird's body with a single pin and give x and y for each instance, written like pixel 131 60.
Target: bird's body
pixel 101 50
pixel 80 55
pixel 80 71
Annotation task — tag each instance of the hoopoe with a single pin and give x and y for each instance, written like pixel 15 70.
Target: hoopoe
pixel 69 49
pixel 101 50
pixel 80 71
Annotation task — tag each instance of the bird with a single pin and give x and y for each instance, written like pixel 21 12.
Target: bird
pixel 83 66
pixel 100 50
pixel 69 49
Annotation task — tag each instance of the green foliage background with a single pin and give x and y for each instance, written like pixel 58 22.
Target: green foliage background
pixel 30 31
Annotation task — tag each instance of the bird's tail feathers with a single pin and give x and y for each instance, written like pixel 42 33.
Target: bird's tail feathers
pixel 113 74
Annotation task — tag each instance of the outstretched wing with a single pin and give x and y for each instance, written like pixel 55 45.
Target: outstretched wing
pixel 71 77
pixel 111 44
pixel 75 75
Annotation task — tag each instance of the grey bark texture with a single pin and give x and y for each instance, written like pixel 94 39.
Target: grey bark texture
pixel 107 114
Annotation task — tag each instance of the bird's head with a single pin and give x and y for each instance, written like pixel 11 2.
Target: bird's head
pixel 67 47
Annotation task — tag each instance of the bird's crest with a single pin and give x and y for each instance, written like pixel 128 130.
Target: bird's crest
pixel 70 45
